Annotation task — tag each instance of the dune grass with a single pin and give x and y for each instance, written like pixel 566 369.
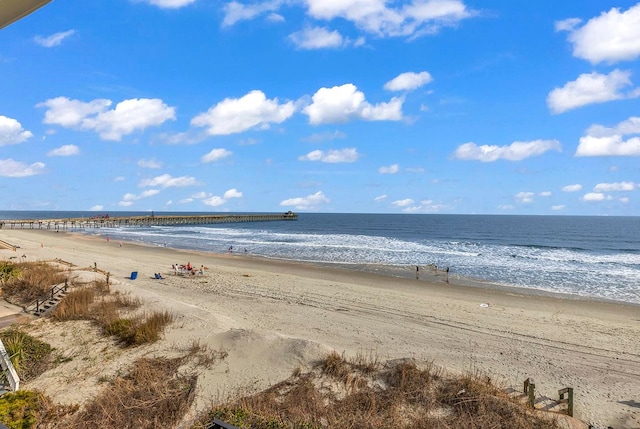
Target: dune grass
pixel 152 394
pixel 364 394
pixel 95 302
pixel 25 282
pixel 30 357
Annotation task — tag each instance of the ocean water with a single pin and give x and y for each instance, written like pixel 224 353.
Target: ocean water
pixel 595 257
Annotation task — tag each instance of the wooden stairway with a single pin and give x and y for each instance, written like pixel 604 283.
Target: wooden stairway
pixel 560 410
pixel 43 307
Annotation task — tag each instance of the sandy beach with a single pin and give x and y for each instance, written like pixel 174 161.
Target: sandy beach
pixel 273 317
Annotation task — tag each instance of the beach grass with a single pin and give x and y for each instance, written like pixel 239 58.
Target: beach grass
pixel 95 302
pixel 354 393
pixel 25 282
pixel 152 394
pixel 30 356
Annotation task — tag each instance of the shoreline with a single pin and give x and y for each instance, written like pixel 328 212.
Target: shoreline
pixel 392 271
pixel 407 271
pixel 273 315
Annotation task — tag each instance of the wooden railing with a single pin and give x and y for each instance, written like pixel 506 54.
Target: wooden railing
pixel 569 400
pixel 5 245
pixel 54 291
pixel 530 391
pixel 9 370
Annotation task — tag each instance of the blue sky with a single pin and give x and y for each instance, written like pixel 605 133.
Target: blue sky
pixel 416 106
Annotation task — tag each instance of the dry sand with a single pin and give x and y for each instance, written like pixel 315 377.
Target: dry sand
pixel 273 317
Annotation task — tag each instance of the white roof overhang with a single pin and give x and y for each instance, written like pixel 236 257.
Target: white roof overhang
pixel 13 10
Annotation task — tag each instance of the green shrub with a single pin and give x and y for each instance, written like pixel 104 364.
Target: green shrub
pixel 29 356
pixel 19 410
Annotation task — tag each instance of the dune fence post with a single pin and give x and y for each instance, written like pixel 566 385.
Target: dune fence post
pixel 530 391
pixel 569 392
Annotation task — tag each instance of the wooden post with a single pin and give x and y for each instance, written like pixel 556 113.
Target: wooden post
pixel 530 390
pixel 569 392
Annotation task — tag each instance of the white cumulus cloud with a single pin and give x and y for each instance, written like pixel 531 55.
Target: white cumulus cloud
pixel 629 126
pixel 232 193
pixel 235 115
pixel 216 201
pixel 525 197
pixel 572 188
pixel 516 151
pixel 332 156
pixel 11 168
pixel 589 88
pixel 426 206
pixel 610 37
pixel 595 196
pixel 167 181
pixel 346 102
pixel 317 38
pixel 392 169
pixel 149 163
pixel 126 118
pixel 610 141
pixel 413 19
pixel 216 155
pixel 66 150
pixel 235 11
pixel 129 199
pixel 614 187
pixel 403 203
pixel 608 146
pixel 408 81
pixel 11 132
pixel 309 202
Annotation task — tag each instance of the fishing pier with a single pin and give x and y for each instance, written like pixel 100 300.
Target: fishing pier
pixel 108 221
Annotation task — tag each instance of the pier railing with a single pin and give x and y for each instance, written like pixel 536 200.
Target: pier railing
pixel 141 221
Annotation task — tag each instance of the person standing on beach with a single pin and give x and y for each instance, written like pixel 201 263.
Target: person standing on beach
pixel 447 271
pixel 417 272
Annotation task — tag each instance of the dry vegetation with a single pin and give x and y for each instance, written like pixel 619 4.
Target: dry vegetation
pixel 152 395
pixel 95 302
pixel 364 394
pixel 25 282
